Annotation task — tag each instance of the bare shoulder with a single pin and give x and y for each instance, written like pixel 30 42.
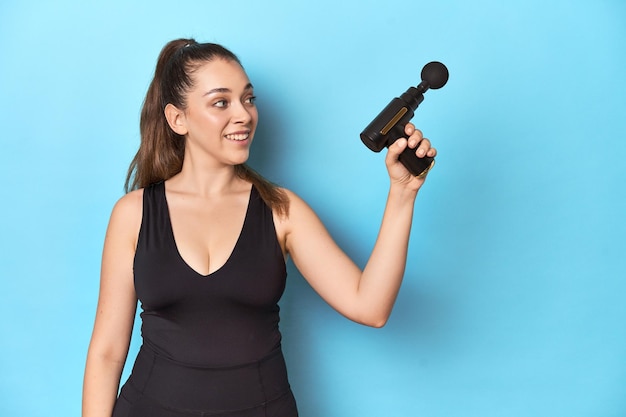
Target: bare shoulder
pixel 127 214
pixel 299 212
pixel 130 204
pixel 297 205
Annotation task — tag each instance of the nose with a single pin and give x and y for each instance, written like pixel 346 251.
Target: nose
pixel 242 114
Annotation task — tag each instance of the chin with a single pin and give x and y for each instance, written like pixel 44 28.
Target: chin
pixel 242 159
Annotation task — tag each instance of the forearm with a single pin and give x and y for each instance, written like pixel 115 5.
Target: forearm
pixel 101 383
pixel 382 276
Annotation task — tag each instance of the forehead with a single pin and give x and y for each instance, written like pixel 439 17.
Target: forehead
pixel 220 73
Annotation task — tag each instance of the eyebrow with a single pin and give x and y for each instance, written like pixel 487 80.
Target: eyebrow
pixel 227 90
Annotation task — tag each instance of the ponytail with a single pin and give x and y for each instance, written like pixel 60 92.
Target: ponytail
pixel 161 152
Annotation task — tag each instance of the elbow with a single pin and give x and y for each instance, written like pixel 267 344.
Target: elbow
pixel 379 324
pixel 370 317
pixel 375 322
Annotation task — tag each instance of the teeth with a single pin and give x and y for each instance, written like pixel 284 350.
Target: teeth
pixel 241 136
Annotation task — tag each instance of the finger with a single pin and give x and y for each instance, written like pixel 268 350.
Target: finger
pixel 415 138
pixel 409 129
pixel 395 150
pixel 423 148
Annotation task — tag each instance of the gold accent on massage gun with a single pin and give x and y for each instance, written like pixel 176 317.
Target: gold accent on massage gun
pixel 426 171
pixel 394 120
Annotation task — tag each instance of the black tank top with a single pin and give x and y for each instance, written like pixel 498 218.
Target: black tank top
pixel 227 318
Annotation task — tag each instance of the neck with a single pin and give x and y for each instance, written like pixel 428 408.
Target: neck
pixel 206 180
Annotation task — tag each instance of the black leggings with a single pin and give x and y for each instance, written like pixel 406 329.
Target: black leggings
pixel 158 387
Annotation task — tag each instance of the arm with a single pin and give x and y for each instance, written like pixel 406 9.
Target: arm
pixel 116 309
pixel 364 296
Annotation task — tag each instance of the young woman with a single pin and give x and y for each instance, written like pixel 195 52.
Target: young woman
pixel 201 241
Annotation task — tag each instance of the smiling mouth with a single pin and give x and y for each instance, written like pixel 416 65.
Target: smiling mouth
pixel 237 136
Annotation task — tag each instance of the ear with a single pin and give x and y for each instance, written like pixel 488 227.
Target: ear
pixel 176 119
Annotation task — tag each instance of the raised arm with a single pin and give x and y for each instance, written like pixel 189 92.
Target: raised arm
pixel 366 296
pixel 116 309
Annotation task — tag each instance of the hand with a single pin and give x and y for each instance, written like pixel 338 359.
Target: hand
pixel 398 173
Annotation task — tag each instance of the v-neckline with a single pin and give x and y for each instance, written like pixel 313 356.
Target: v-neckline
pixel 232 253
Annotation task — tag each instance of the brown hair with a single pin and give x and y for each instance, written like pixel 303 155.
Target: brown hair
pixel 161 152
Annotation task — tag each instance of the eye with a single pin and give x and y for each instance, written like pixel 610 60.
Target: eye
pixel 250 100
pixel 220 103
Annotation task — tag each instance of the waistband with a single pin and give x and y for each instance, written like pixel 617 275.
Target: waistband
pixel 180 387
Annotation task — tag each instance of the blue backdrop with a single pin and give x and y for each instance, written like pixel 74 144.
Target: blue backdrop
pixel 513 301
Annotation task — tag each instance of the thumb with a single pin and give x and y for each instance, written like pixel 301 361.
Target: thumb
pixel 396 149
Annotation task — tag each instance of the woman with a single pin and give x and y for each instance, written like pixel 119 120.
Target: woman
pixel 201 242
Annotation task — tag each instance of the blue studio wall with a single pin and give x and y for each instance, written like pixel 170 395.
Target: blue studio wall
pixel 513 300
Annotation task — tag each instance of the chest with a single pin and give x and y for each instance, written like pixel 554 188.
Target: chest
pixel 205 233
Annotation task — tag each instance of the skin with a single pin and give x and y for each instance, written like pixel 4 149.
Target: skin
pixel 207 204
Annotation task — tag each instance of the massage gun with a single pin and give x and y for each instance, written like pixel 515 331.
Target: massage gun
pixel 389 125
